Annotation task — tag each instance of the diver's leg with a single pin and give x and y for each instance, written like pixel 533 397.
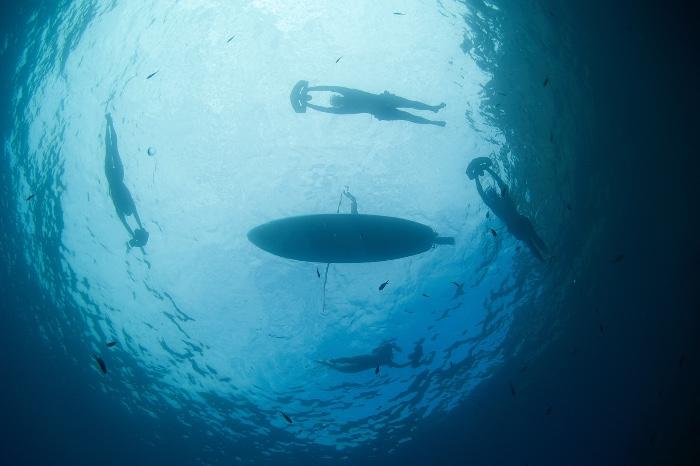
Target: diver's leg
pixel 401 115
pixel 401 102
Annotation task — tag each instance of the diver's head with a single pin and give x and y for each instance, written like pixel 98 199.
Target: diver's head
pixel 140 238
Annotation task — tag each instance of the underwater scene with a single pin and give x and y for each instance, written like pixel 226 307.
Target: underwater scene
pixel 311 232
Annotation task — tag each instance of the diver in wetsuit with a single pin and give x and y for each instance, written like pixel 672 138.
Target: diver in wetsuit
pixel 121 197
pixel 384 106
pixel 383 355
pixel 503 206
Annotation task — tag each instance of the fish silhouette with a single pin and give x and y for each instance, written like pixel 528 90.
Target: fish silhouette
pixel 101 363
pixel 111 343
pixel 151 75
pixel 383 285
pixel 287 418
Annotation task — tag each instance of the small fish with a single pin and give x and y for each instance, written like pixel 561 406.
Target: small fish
pixel 376 371
pixel 460 289
pixel 512 389
pixel 339 59
pixel 397 13
pixel 425 295
pixel 383 285
pixel 318 273
pixel 287 418
pixel 618 258
pixel 151 75
pixel 493 232
pixel 111 343
pixel 101 363
pixel 231 38
pixel 31 197
pixel 549 411
pixel 546 81
pixel 451 365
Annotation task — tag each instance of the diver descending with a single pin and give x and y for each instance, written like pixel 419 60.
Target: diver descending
pixel 121 197
pixel 503 206
pixel 344 101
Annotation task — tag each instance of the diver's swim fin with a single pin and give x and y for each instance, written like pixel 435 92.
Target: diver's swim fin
pixel 297 96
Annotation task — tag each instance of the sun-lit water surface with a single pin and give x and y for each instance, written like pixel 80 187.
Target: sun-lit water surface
pixel 208 324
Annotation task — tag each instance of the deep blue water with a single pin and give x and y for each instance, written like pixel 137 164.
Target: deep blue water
pixel 586 110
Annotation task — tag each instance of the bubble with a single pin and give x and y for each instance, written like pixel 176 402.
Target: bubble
pixel 151 151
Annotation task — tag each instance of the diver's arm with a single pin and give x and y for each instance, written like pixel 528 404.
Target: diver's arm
pixel 338 89
pixel 136 216
pixel 336 110
pixel 353 202
pixel 503 187
pixel 126 224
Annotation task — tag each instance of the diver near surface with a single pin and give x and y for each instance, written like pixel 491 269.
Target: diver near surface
pixel 121 197
pixel 503 206
pixel 345 101
pixel 383 355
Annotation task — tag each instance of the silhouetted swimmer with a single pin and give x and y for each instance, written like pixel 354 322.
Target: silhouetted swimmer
pixel 152 74
pixel 504 208
pixel 353 201
pixel 31 197
pixel 376 370
pixel 346 101
pixel 493 232
pixel 601 328
pixel 512 389
pixel 681 360
pixel 383 355
pixel 121 197
pixel 619 258
pixel 459 291
pixel 488 214
pixel 383 285
pixel 417 354
pixel 101 363
pixel 549 411
pixel 111 343
pixel 287 418
pixel 546 81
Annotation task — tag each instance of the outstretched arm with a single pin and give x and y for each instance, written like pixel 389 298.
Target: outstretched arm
pixel 353 202
pixel 501 184
pixel 338 89
pixel 336 110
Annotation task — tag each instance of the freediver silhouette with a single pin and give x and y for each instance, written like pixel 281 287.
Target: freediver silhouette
pixel 383 355
pixel 344 101
pixel 121 197
pixel 504 208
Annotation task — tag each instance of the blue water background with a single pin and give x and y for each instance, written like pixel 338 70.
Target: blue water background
pixel 624 395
